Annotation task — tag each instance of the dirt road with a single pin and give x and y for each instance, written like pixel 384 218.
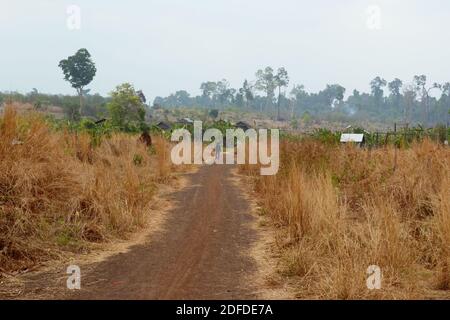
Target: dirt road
pixel 201 253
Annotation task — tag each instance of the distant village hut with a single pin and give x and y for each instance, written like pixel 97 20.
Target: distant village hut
pixel 185 121
pixel 242 125
pixel 164 126
pixel 100 121
pixel 356 138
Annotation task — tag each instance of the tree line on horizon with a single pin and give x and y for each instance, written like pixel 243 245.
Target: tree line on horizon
pixel 268 93
pixel 397 100
pixel 125 107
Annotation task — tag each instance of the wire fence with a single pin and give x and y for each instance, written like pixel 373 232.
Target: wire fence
pixel 400 136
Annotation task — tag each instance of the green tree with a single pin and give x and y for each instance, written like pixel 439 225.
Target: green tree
pixel 334 93
pixel 71 108
pixel 409 96
pixel 224 94
pixel 281 81
pixel 182 98
pixel 265 81
pixel 420 81
pixel 446 89
pixel 239 100
pixel 79 70
pixel 395 87
pixel 376 86
pixel 126 108
pixel 306 117
pixel 299 97
pixel 209 90
pixel 248 93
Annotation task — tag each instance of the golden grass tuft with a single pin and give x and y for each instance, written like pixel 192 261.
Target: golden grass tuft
pixel 58 192
pixel 340 209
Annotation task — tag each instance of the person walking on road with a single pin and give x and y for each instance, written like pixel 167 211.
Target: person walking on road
pixel 218 150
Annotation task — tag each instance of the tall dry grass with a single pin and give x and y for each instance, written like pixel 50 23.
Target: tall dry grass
pixel 340 209
pixel 59 192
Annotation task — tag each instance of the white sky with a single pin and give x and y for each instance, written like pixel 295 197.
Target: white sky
pixel 165 45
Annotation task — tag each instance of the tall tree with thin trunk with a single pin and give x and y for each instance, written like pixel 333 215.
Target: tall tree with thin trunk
pixel 265 82
pixel 79 70
pixel 409 95
pixel 394 87
pixel 376 86
pixel 281 80
pixel 420 83
pixel 247 92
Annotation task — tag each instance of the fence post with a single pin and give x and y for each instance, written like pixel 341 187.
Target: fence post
pixel 395 146
pixel 406 136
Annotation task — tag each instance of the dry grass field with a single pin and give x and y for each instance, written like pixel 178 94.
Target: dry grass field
pixel 340 209
pixel 337 209
pixel 58 192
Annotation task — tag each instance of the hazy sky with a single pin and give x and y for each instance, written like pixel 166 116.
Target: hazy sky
pixel 165 45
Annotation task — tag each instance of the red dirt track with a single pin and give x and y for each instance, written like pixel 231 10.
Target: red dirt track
pixel 202 252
